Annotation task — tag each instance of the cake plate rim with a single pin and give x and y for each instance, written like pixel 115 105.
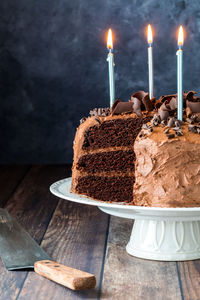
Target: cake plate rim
pixel 165 234
pixel 62 189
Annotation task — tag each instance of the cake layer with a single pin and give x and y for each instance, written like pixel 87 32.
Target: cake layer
pixel 113 133
pixel 106 188
pixel 107 161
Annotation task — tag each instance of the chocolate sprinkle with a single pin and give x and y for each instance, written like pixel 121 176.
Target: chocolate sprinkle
pixel 179 133
pixel 171 135
pixel 188 112
pixel 171 122
pixel 82 120
pixel 102 112
pixel 166 131
pixel 98 120
pixel 190 121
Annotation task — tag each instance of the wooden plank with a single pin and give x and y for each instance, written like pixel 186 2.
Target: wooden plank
pixel 10 177
pixel 189 274
pixel 75 237
pixel 128 277
pixel 33 205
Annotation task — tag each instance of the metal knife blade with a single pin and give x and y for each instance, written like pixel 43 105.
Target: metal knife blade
pixel 17 248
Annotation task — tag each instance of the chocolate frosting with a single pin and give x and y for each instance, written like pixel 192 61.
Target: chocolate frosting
pixel 167 170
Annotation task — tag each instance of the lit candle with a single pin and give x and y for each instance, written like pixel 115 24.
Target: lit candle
pixel 110 60
pixel 150 60
pixel 179 54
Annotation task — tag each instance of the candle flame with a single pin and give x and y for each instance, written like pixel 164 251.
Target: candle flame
pixel 180 36
pixel 149 35
pixel 109 40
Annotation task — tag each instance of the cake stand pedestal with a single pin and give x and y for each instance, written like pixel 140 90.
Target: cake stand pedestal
pixel 167 234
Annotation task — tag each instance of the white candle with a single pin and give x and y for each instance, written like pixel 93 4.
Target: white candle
pixel 110 60
pixel 150 61
pixel 179 54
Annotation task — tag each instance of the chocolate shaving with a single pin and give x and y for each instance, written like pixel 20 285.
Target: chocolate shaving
pixel 82 120
pixel 178 123
pixel 98 120
pixel 179 133
pixel 194 106
pixel 166 131
pixel 136 106
pixel 147 102
pixel 171 135
pixel 171 122
pixel 155 120
pixel 196 117
pixel 188 112
pixel 194 128
pixel 190 121
pixel 139 101
pixel 168 106
pixel 173 103
pixel 122 107
pixel 115 104
pixel 167 98
pixel 190 95
pixel 139 95
pixel 164 114
pixel 101 112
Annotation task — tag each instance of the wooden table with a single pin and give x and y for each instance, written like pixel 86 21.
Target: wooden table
pixel 83 237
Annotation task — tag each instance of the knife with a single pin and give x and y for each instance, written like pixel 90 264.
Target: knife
pixel 19 251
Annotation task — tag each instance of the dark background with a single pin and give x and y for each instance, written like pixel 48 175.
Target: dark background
pixel 53 67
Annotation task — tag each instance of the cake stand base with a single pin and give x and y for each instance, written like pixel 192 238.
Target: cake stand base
pixel 165 240
pixel 167 234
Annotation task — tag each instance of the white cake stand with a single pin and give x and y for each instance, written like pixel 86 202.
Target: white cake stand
pixel 167 234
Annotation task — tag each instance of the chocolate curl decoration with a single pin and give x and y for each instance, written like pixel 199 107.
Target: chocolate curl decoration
pixel 167 98
pixel 168 107
pixel 173 103
pixel 121 107
pixel 193 102
pixel 171 122
pixel 138 102
pixel 190 95
pixel 164 114
pixel 188 112
pixel 136 106
pixel 139 95
pixel 147 102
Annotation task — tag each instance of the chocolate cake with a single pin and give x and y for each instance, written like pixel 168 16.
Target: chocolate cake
pixel 138 152
pixel 104 158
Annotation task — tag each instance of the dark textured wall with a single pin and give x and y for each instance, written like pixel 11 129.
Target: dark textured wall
pixel 53 66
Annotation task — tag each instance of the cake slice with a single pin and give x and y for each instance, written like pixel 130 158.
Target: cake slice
pixel 104 158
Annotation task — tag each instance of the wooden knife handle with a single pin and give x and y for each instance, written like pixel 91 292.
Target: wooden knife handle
pixel 69 277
